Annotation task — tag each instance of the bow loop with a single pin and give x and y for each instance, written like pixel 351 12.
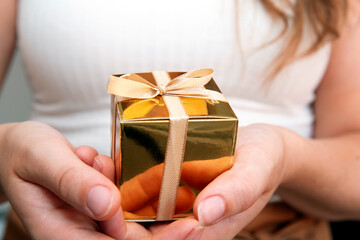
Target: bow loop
pixel 194 79
pixel 132 86
pixel 190 84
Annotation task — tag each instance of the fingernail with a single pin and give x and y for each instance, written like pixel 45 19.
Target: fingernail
pixel 211 210
pixel 99 200
pixel 199 227
pixel 97 164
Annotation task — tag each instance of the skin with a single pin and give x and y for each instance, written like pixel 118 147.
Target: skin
pixel 317 176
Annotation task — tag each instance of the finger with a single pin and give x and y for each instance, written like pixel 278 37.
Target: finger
pixel 229 227
pixel 102 163
pixel 47 217
pixel 86 154
pixel 187 228
pixel 57 168
pixel 115 226
pixel 105 165
pixel 235 190
pixel 135 231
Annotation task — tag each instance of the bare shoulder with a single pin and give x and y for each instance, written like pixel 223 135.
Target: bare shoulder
pixel 8 10
pixel 337 105
pixel 7 18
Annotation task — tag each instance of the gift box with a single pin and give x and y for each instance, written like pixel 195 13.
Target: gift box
pixel 172 134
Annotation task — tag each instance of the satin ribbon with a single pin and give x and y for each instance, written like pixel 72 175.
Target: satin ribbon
pixel 190 84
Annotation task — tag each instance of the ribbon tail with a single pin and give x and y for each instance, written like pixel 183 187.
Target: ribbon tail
pixel 215 96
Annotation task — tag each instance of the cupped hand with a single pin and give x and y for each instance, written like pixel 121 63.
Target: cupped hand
pixel 238 195
pixel 53 192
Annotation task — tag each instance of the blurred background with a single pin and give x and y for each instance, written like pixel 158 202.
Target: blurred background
pixel 15 97
pixel 15 103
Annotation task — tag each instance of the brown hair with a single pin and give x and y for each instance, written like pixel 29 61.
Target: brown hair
pixel 325 18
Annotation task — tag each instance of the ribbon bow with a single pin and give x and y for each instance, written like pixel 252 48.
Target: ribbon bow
pixel 190 84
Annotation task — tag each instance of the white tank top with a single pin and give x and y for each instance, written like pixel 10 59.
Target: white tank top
pixel 70 47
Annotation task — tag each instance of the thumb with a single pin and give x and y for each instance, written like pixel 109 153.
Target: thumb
pixel 233 192
pixel 57 168
pixel 258 170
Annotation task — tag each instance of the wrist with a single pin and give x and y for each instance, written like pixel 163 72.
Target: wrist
pixel 4 129
pixel 294 150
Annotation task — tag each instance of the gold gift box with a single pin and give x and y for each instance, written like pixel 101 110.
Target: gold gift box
pixel 140 133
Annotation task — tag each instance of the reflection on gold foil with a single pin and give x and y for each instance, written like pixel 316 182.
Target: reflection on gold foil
pixel 155 107
pixel 140 194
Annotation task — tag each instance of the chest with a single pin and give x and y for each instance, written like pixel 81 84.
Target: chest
pixel 71 47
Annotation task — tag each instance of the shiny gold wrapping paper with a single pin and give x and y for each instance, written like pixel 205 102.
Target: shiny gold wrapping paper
pixel 140 131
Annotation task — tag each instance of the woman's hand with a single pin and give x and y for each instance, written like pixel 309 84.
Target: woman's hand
pixel 237 196
pixel 234 198
pixel 54 193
